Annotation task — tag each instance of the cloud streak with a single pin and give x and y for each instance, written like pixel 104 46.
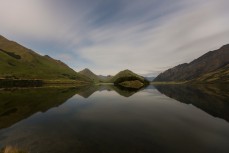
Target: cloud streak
pixel 110 35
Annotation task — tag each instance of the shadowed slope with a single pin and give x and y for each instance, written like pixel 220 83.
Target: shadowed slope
pixel 209 62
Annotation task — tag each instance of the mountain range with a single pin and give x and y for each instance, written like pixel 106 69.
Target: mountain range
pixel 150 79
pixel 18 62
pixel 21 63
pixel 124 78
pixel 212 67
pixel 95 78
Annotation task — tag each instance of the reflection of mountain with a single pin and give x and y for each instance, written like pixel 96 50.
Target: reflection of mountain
pixel 212 99
pixel 87 91
pixel 16 105
pixel 125 92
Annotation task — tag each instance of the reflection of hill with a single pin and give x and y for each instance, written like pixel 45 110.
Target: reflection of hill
pixel 125 92
pixel 16 105
pixel 87 91
pixel 212 99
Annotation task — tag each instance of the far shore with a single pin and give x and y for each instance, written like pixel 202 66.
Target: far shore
pixel 39 83
pixel 170 82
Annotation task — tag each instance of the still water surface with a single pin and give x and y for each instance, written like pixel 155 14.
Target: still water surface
pixel 105 119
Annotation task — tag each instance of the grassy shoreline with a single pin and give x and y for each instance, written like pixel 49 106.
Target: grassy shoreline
pixel 191 82
pixel 167 83
pixel 39 82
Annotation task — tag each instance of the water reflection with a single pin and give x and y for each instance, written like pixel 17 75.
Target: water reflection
pixel 97 119
pixel 212 99
pixel 17 104
pixel 87 91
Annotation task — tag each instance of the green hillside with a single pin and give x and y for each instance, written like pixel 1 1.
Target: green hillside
pixel 18 62
pixel 129 79
pixel 88 73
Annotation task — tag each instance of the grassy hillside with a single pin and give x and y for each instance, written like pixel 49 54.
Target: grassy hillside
pixel 18 62
pixel 88 73
pixel 218 76
pixel 126 74
pixel 129 79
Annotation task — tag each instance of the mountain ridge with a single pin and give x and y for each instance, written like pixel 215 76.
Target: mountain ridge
pixel 88 73
pixel 209 62
pixel 19 62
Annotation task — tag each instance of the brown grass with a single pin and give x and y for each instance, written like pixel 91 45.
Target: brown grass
pixel 11 149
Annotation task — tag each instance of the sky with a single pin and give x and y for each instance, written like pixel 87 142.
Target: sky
pixel 106 36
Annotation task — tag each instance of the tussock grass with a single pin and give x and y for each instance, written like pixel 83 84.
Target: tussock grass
pixel 12 149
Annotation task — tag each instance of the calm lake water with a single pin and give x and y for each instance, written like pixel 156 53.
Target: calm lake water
pixel 106 119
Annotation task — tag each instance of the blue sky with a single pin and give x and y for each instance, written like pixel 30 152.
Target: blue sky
pixel 106 36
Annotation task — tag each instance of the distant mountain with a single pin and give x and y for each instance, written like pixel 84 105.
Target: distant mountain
pixel 206 64
pixel 88 73
pixel 96 78
pixel 18 62
pixel 105 78
pixel 150 79
pixel 129 79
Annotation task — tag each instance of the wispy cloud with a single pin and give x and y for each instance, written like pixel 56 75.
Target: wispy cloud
pixel 111 35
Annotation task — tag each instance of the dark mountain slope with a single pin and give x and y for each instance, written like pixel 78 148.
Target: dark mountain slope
pixel 207 63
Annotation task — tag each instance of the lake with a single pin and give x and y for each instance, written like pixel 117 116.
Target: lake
pixel 108 119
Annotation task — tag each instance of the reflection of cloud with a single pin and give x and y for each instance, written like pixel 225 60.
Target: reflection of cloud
pixel 108 36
